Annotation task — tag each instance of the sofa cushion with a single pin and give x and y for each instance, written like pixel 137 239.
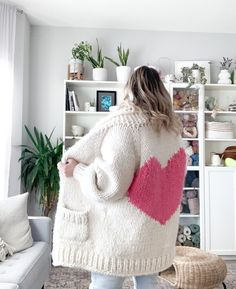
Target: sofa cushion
pixel 8 286
pixel 14 224
pixel 24 267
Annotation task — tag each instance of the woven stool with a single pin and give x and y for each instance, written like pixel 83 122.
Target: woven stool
pixel 195 269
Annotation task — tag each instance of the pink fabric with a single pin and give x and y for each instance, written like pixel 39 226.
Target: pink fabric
pixel 157 191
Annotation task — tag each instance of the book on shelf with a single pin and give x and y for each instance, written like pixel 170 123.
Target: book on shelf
pixel 73 102
pixel 67 100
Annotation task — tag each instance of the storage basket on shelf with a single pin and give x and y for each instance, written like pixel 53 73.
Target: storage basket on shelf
pixel 218 129
pixel 194 268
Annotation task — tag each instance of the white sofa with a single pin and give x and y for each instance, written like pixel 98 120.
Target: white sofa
pixel 29 269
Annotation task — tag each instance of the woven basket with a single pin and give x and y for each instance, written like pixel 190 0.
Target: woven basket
pixel 195 269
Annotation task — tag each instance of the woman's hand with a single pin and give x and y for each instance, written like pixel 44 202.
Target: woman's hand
pixel 67 169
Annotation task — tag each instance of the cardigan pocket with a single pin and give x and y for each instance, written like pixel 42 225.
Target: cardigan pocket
pixel 73 225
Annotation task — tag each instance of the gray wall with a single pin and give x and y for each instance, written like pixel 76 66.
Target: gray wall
pixel 51 51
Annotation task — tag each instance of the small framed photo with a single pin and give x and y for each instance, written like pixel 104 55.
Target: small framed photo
pixel 105 99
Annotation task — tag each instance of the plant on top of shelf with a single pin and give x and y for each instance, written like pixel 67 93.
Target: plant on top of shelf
pixel 188 76
pixel 97 62
pixel 226 63
pixel 122 70
pixel 123 56
pixel 39 171
pixel 81 50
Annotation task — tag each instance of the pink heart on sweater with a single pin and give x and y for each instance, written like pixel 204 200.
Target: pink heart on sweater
pixel 157 191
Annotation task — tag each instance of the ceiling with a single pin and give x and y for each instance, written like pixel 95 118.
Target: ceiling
pixel 215 16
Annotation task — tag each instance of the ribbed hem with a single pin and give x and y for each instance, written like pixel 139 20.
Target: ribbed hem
pixel 79 170
pixel 71 256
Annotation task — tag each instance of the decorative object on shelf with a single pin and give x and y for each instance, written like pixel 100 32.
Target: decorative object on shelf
pixel 191 150
pixel 229 152
pixel 76 65
pixel 190 202
pixel 77 130
pixel 105 99
pixel 185 98
pixel 232 106
pixel 229 162
pixel 193 74
pixel 210 103
pixel 224 75
pixel 188 236
pixel 219 129
pixel 183 71
pixel 92 107
pixel 87 106
pixel 122 70
pixel 189 122
pixel 99 72
pixel 215 159
pixel 39 172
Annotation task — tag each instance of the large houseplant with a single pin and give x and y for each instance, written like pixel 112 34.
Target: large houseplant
pixel 99 71
pixel 122 70
pixel 39 168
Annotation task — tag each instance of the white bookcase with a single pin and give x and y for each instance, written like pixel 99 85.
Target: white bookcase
pixel 86 91
pixel 188 218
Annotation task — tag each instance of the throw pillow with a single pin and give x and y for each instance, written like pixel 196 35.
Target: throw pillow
pixel 14 224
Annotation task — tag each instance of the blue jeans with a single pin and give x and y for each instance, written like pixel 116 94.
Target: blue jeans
pixel 100 281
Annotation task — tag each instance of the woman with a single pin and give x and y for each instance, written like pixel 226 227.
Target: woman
pixel 121 187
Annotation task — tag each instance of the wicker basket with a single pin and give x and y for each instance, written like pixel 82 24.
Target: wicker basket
pixel 195 269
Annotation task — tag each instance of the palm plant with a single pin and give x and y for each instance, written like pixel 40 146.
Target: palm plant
pixel 123 56
pixel 39 168
pixel 96 62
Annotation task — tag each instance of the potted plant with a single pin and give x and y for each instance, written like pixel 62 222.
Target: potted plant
pixel 99 71
pixel 122 70
pixel 39 168
pixel 76 65
pixel 224 75
pixel 194 74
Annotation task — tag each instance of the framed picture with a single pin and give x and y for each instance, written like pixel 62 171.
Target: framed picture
pixel 105 99
pixel 205 64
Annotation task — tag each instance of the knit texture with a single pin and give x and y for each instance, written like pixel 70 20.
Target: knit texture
pixel 119 212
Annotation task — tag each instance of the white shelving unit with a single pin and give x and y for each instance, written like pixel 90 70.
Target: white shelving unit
pixel 86 91
pixel 189 218
pixel 220 182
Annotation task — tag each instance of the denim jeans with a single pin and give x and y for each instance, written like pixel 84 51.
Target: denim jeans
pixel 100 281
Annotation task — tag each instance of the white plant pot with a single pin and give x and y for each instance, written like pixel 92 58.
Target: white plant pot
pixel 196 75
pixel 123 73
pixel 100 74
pixel 224 77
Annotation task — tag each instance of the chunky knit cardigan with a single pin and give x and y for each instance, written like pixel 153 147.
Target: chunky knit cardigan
pixel 119 213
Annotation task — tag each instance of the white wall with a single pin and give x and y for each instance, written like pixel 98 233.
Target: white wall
pixel 20 101
pixel 51 51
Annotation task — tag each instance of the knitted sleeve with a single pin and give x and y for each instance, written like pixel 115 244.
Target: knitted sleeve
pixel 109 176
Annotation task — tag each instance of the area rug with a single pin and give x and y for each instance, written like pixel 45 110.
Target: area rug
pixel 68 278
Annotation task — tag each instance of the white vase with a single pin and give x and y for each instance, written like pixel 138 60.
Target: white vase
pixel 196 75
pixel 224 77
pixel 100 74
pixel 123 73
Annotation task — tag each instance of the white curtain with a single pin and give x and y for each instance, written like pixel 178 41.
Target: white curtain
pixel 7 47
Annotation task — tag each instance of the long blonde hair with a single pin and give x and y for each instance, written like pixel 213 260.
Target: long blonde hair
pixel 147 91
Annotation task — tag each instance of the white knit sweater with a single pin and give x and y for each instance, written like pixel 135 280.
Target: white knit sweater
pixel 119 214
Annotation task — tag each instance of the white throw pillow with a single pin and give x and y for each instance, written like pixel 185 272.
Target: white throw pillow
pixel 14 224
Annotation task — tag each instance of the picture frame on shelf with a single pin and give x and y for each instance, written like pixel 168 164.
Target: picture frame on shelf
pixel 105 99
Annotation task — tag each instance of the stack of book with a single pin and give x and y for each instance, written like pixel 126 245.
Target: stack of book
pixel 72 103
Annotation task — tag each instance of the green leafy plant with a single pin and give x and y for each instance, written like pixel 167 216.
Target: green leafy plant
pixel 188 77
pixel 81 50
pixel 123 56
pixel 96 62
pixel 39 171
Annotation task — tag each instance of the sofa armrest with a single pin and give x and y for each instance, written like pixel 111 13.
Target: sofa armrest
pixel 41 229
